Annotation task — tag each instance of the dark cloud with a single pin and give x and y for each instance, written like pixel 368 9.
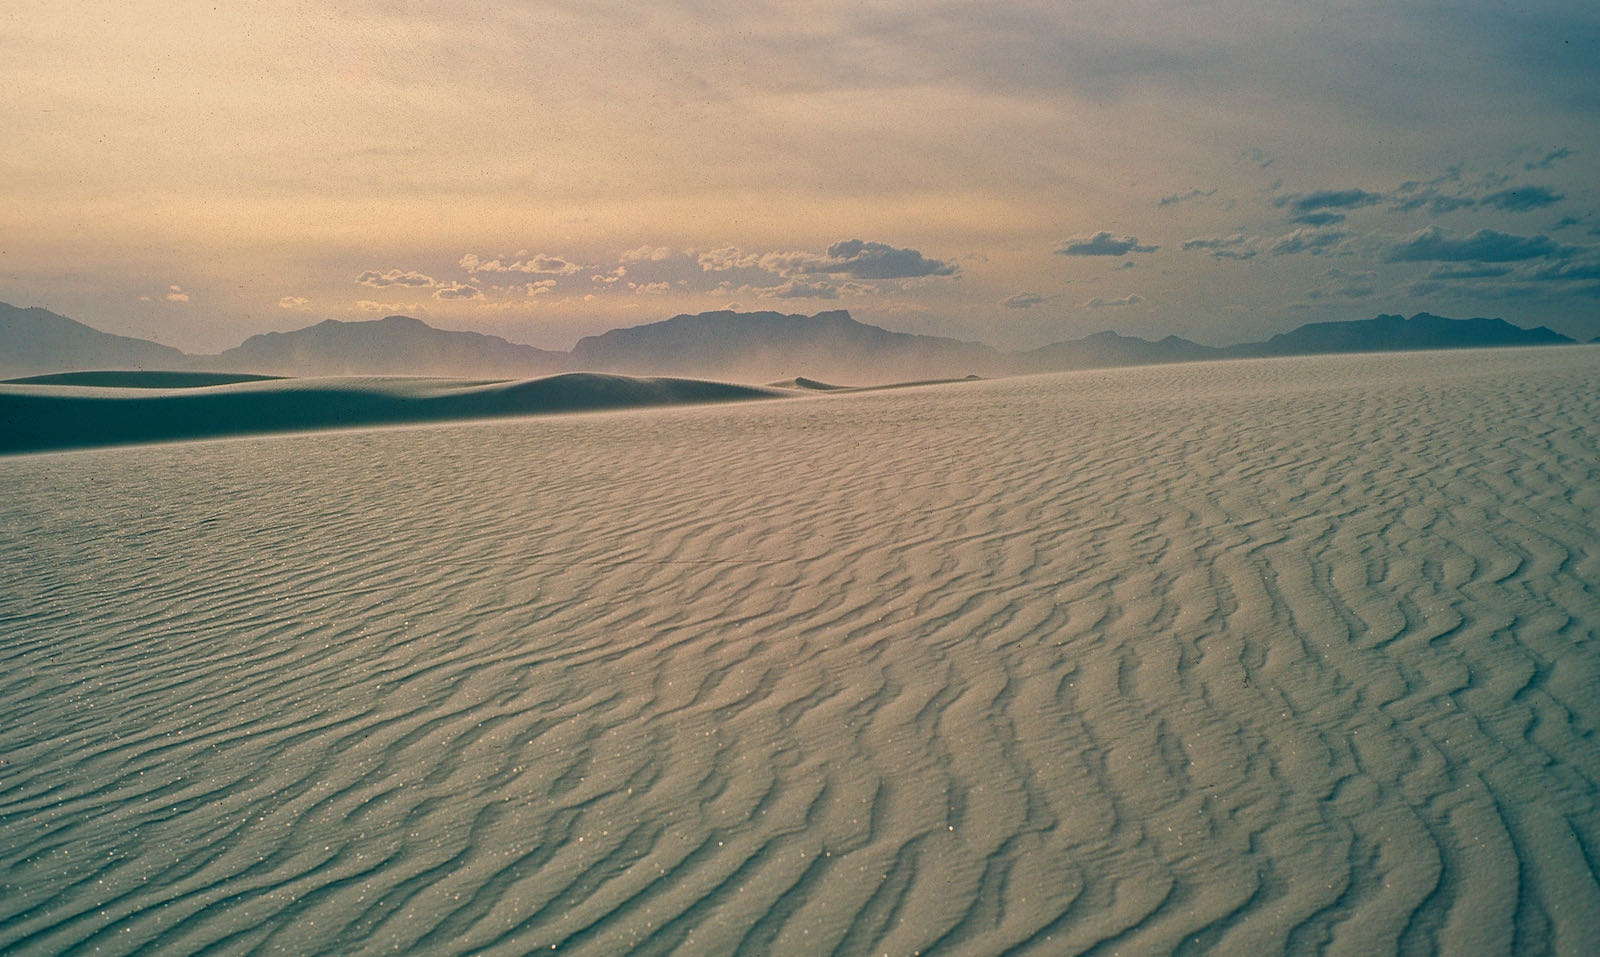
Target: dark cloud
pixel 1485 246
pixel 395 277
pixel 1102 244
pixel 1344 292
pixel 1311 241
pixel 848 267
pixel 870 260
pixel 1322 218
pixel 1223 247
pixel 1520 199
pixel 1469 272
pixel 1548 160
pixel 1569 272
pixel 1024 300
pixel 1434 201
pixel 1193 194
pixel 1328 199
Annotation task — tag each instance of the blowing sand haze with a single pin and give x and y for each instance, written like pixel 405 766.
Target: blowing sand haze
pixel 1278 656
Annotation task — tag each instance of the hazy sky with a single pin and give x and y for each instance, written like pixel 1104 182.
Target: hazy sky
pixel 1016 172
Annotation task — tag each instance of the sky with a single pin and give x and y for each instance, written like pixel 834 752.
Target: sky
pixel 1016 173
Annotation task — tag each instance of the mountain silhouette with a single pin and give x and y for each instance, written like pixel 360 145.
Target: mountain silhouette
pixel 763 346
pixel 737 346
pixel 396 345
pixel 1110 349
pixel 38 340
pixel 1394 333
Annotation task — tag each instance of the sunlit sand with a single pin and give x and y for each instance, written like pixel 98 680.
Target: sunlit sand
pixel 1239 658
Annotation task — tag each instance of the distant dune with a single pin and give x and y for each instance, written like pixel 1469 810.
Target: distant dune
pixel 40 414
pixel 128 379
pixel 1286 656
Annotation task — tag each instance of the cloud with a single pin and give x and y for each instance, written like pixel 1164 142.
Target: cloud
pixel 1024 300
pixel 800 289
pixel 648 254
pixel 1328 199
pixel 1485 245
pixel 1102 244
pixel 456 290
pixel 1567 272
pixel 176 294
pixel 1520 199
pixel 1321 218
pixel 394 277
pixel 869 260
pixel 1193 194
pixel 1311 241
pixel 1436 202
pixel 1236 246
pixel 1548 160
pixel 293 302
pixel 727 258
pixel 540 264
pixel 1128 300
pixel 1469 272
pixel 1343 292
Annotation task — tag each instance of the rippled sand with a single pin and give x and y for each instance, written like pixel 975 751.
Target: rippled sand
pixel 1279 656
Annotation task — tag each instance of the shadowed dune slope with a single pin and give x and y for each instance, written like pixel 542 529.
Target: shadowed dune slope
pixel 137 379
pixel 1263 657
pixel 40 415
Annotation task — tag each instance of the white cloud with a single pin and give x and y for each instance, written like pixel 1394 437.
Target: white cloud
pixel 1131 299
pixel 648 254
pixel 726 258
pixel 395 277
pixel 801 289
pixel 456 290
pixel 523 263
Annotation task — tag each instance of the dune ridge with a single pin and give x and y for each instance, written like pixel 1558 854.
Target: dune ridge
pixel 1289 656
pixel 81 410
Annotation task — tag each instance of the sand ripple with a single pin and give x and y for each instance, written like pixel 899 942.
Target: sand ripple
pixel 1281 656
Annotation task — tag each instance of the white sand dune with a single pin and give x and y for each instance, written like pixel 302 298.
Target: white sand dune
pixel 81 410
pixel 1282 656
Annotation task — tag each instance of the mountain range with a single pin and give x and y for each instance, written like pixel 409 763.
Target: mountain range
pixel 745 347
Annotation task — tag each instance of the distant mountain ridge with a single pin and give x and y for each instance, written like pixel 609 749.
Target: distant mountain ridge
pixel 763 346
pixel 1396 333
pixel 741 346
pixel 37 340
pixel 395 345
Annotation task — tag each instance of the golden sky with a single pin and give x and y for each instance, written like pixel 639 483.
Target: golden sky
pixel 1016 173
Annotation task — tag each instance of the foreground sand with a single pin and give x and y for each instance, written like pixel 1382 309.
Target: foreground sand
pixel 1278 656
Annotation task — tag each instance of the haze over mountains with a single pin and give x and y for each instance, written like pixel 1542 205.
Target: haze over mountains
pixel 747 347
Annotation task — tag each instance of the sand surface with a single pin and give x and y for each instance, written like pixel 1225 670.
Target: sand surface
pixel 1241 658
